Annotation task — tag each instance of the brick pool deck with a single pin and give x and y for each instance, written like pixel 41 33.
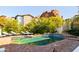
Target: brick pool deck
pixel 67 45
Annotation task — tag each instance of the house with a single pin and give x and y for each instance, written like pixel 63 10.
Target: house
pixel 20 19
pixel 24 19
pixel 27 18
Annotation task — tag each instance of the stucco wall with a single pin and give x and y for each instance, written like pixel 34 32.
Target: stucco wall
pixel 27 19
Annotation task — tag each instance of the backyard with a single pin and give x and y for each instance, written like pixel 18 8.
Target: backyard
pixel 49 32
pixel 67 45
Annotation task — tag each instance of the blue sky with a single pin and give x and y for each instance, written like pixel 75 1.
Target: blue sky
pixel 65 11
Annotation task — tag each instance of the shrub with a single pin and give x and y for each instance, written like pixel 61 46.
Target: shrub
pixel 75 26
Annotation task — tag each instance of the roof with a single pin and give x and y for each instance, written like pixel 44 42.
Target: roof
pixel 24 15
pixel 28 15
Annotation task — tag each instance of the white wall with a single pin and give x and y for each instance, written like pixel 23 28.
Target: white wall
pixel 27 19
pixel 20 19
pixel 60 30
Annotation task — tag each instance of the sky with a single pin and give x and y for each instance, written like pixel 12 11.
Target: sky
pixel 65 11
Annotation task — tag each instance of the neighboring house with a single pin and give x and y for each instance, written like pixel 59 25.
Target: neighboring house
pixel 24 19
pixel 27 18
pixel 20 19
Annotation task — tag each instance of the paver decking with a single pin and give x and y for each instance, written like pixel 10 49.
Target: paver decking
pixel 5 40
pixel 66 45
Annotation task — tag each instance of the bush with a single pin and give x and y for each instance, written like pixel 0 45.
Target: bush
pixel 73 32
pixel 75 26
pixel 75 23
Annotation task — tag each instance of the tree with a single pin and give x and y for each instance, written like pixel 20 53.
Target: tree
pixel 38 26
pixel 2 20
pixel 44 25
pixel 11 25
pixel 58 21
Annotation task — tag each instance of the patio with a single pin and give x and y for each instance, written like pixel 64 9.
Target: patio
pixel 66 45
pixel 5 40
